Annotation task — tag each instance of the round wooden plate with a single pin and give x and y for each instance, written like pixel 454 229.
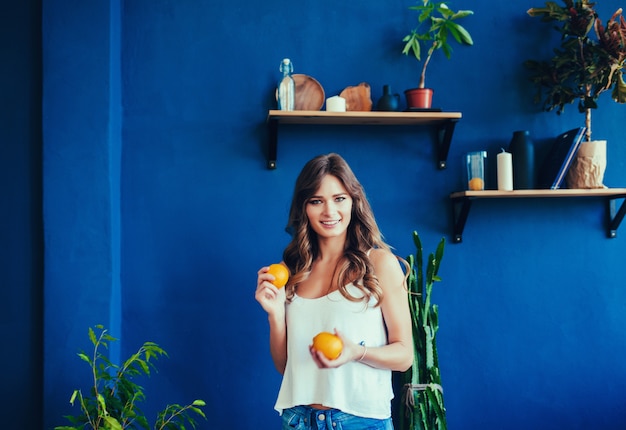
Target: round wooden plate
pixel 309 93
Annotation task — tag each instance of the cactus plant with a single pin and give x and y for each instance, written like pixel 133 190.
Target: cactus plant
pixel 423 395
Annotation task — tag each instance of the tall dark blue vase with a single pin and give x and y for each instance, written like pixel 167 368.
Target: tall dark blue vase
pixel 388 101
pixel 523 153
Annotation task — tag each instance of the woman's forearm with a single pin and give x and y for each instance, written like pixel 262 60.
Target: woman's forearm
pixel 278 341
pixel 395 356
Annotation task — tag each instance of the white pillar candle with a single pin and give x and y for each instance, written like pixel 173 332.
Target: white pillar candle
pixel 505 171
pixel 336 104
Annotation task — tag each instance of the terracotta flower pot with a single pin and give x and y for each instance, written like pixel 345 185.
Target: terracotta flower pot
pixel 419 98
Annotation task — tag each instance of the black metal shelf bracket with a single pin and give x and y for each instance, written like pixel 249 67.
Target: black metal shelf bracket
pixel 272 147
pixel 460 211
pixel 615 216
pixel 445 139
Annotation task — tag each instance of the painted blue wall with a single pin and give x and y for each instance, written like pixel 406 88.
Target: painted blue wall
pixel 159 210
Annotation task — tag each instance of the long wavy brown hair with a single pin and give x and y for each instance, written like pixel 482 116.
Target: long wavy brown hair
pixel 363 233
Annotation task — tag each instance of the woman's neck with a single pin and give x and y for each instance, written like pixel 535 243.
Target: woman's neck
pixel 331 251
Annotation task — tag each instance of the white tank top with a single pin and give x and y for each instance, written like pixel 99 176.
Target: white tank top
pixel 354 388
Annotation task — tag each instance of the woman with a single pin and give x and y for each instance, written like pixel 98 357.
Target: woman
pixel 344 279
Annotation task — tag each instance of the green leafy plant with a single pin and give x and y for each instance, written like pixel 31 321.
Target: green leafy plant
pixel 423 394
pixel 582 67
pixel 113 400
pixel 436 22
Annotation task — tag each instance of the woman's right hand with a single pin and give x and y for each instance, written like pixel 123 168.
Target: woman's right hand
pixel 271 298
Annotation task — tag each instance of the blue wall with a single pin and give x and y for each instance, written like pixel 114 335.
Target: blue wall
pixel 158 207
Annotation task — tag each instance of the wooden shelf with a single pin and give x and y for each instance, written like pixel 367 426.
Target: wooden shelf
pixel 444 121
pixel 462 200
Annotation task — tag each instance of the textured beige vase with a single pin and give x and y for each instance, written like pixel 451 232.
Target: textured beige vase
pixel 587 169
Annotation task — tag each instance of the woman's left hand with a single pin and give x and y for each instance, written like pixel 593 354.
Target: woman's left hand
pixel 350 352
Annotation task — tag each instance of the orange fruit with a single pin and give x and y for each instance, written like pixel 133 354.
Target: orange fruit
pixel 329 344
pixel 281 274
pixel 476 184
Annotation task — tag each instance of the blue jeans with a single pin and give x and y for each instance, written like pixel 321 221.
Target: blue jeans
pixel 307 418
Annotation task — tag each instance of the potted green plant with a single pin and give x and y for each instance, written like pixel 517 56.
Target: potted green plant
pixel 423 408
pixel 114 397
pixel 436 22
pixel 588 62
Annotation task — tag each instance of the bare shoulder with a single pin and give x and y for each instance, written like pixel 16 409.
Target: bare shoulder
pixel 386 264
pixel 379 255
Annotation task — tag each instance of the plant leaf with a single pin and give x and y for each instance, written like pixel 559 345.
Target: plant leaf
pixel 112 423
pixel 460 34
pixel 619 91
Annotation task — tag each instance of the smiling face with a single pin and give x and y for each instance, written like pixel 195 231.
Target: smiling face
pixel 329 209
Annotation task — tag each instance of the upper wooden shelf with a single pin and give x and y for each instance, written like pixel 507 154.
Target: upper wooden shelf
pixel 362 118
pixel 446 122
pixel 462 203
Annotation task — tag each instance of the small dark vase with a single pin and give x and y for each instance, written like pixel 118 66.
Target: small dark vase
pixel 388 101
pixel 523 153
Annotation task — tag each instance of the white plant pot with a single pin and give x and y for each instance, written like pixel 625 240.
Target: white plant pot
pixel 587 169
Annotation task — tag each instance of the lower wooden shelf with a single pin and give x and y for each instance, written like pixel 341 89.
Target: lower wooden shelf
pixel 462 201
